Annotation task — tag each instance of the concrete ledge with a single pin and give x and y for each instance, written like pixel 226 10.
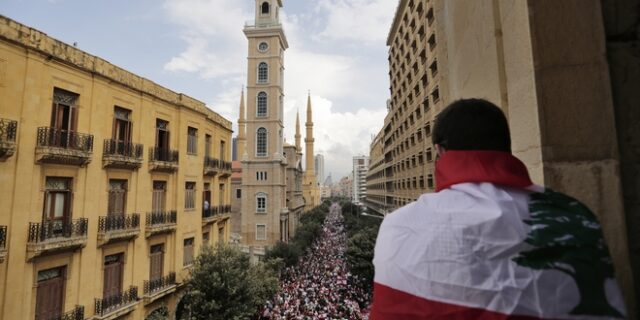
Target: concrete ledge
pixel 117 313
pixel 7 149
pixel 56 244
pixel 121 162
pixel 162 228
pixel 3 255
pixel 62 156
pixel 117 235
pixel 151 297
pixel 163 166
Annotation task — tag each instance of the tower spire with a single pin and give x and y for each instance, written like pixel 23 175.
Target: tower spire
pixel 242 137
pixel 298 135
pixel 309 140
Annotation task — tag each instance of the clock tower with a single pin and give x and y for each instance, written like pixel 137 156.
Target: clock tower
pixel 264 215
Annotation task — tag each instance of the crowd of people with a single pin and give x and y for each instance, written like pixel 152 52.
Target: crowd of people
pixel 320 285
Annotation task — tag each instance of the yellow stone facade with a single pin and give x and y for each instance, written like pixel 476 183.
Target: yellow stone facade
pixel 99 167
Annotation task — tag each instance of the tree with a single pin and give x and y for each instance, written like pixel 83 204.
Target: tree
pixel 224 285
pixel 567 237
pixel 289 253
pixel 360 254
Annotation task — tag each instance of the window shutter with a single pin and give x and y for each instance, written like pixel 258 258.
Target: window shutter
pixel 74 118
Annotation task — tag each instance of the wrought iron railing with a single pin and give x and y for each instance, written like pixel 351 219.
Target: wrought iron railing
pixel 210 162
pixel 155 285
pixel 224 209
pixel 225 165
pixel 40 232
pixel 125 149
pixel 160 218
pixel 209 213
pixel 109 304
pixel 76 314
pixel 52 137
pixel 162 154
pixel 8 129
pixel 117 223
pixel 3 237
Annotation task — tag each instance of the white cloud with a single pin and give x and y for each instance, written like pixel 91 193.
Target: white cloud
pixel 364 21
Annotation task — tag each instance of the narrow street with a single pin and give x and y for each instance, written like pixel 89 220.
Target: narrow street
pixel 320 286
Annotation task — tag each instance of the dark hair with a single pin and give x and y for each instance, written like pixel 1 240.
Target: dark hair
pixel 472 124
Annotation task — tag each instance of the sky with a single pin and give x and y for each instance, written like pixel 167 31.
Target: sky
pixel 337 51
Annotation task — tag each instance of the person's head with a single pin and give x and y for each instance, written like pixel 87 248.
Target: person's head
pixel 472 124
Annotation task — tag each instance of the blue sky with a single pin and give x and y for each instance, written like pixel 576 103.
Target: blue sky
pixel 337 50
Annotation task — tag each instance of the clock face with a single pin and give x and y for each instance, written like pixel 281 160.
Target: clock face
pixel 263 46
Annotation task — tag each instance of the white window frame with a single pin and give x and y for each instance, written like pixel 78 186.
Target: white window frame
pixel 258 80
pixel 265 232
pixel 266 143
pixel 261 195
pixel 266 105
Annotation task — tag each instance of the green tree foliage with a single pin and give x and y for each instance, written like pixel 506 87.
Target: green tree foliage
pixel 567 237
pixel 360 254
pixel 224 285
pixel 161 313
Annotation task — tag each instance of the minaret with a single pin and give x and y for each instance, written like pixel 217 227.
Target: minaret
pixel 298 135
pixel 242 129
pixel 310 167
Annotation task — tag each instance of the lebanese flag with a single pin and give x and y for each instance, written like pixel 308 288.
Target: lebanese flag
pixel 491 245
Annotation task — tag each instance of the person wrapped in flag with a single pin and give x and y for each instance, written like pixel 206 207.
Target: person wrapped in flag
pixel 489 244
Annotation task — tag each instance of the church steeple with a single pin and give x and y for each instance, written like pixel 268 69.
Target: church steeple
pixel 298 135
pixel 242 128
pixel 309 140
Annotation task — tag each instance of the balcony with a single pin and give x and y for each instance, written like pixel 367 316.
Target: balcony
pixel 76 314
pixel 63 147
pixel 116 306
pixel 225 169
pixel 116 228
pixel 122 155
pixel 160 222
pixel 209 215
pixel 163 160
pixel 211 166
pixel 8 129
pixel 158 288
pixel 224 209
pixel 51 236
pixel 3 243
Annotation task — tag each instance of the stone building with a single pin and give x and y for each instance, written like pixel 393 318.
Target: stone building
pixel 566 75
pixel 103 183
pixel 360 169
pixel 310 185
pixel 376 200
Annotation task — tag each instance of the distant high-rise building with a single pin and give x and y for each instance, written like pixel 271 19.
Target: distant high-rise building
pixel 319 166
pixel 234 149
pixel 360 168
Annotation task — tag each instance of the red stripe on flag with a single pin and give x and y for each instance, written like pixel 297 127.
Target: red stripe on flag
pixel 392 304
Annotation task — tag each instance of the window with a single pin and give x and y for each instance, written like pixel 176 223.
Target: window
pixel 117 198
pixel 190 195
pixel 192 140
pixel 430 181
pixel 262 104
pixel 261 203
pixel 156 257
pixel 264 8
pixel 113 275
pixel 122 129
pixel 261 232
pixel 161 152
pixel 223 149
pixel 221 198
pixel 57 205
pixel 187 253
pixel 159 196
pixel 206 197
pixel 205 238
pixel 207 145
pixel 261 175
pixel 238 193
pixel 263 72
pixel 261 143
pixel 64 115
pixel 50 293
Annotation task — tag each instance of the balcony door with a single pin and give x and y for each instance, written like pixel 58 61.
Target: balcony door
pixel 159 197
pixel 122 128
pixel 162 139
pixel 156 257
pixel 206 196
pixel 57 204
pixel 113 275
pixel 117 198
pixel 50 293
pixel 64 117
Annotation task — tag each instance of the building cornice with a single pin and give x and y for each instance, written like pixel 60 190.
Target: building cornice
pixel 396 21
pixel 53 49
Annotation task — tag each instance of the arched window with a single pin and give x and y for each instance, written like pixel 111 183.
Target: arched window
pixel 265 8
pixel 261 142
pixel 263 72
pixel 262 104
pixel 261 203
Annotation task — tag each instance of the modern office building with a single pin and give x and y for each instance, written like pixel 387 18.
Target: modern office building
pixel 109 184
pixel 319 168
pixel 360 169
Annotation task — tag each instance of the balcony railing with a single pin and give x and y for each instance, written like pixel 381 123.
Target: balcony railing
pixel 48 230
pixel 122 155
pixel 156 285
pixel 225 169
pixel 210 213
pixel 161 159
pixel 159 222
pixel 123 227
pixel 76 314
pixel 3 243
pixel 8 129
pixel 224 209
pixel 116 302
pixel 63 146
pixel 211 166
pixel 266 23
